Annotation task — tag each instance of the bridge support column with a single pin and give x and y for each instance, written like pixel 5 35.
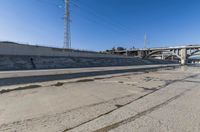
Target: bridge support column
pixel 141 53
pixel 183 56
pixel 172 58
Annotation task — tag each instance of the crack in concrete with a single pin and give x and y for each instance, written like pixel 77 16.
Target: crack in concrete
pixel 191 81
pixel 160 87
pixel 116 125
pixel 111 101
pixel 107 112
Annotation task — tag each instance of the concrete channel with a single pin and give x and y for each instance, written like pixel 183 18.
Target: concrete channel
pixel 159 98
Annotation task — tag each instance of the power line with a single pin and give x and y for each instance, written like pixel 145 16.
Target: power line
pixel 115 26
pixel 105 19
pixel 94 20
pixel 103 16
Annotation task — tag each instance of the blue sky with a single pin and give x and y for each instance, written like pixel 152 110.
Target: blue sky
pixel 102 24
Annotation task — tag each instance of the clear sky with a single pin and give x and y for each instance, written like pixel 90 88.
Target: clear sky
pixel 102 24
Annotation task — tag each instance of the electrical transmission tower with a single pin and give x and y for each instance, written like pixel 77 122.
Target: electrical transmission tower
pixel 67 32
pixel 145 40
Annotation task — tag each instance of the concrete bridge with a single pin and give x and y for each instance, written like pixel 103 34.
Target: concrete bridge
pixel 178 53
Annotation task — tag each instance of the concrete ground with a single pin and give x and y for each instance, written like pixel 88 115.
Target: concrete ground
pixel 163 100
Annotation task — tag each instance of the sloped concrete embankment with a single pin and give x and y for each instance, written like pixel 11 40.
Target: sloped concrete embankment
pixel 22 62
pixel 14 56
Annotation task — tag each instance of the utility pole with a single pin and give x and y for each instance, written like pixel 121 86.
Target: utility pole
pixel 67 33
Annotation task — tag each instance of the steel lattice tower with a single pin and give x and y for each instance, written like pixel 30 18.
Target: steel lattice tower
pixel 145 40
pixel 67 33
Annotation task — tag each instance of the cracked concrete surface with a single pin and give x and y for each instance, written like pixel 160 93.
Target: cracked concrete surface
pixel 163 100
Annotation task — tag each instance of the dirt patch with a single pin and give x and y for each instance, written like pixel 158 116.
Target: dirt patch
pixel 101 78
pixel 85 80
pixel 58 84
pixel 120 82
pixel 119 106
pixel 147 79
pixel 20 88
pixel 147 89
